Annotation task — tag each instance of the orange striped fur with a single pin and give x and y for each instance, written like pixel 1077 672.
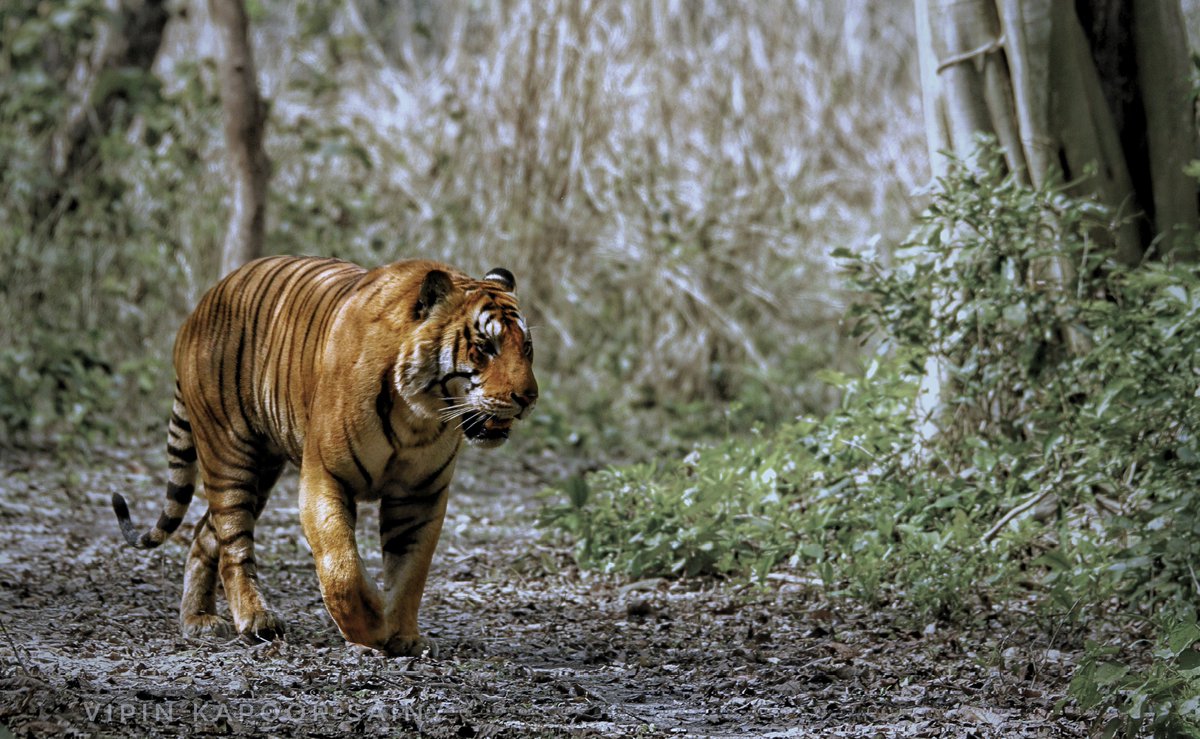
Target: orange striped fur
pixel 369 381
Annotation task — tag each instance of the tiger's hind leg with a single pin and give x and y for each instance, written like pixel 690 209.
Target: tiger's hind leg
pixel 198 614
pixel 224 546
pixel 198 609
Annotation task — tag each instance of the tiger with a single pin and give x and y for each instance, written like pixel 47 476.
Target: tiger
pixel 369 381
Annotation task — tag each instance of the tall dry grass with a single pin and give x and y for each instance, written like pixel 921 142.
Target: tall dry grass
pixel 666 179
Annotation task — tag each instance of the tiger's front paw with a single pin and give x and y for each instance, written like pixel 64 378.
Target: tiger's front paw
pixel 411 646
pixel 262 626
pixel 202 625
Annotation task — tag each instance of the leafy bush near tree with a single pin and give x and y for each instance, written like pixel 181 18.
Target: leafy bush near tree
pixel 1066 467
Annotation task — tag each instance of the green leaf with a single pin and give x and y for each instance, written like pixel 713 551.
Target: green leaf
pixel 1188 660
pixel 1108 674
pixel 1182 636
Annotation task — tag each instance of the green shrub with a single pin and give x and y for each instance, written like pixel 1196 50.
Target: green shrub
pixel 713 513
pixel 823 496
pixel 1159 699
pixel 1067 455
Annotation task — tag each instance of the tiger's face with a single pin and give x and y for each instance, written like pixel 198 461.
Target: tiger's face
pixel 485 380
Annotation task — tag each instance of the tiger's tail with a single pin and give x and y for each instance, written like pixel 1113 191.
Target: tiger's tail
pixel 181 483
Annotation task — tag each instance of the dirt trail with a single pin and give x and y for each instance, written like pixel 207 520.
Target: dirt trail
pixel 529 646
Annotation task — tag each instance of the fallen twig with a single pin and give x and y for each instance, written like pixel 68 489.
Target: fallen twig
pixel 1020 508
pixel 13 645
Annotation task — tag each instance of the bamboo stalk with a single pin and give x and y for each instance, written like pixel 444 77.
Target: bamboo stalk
pixel 1026 26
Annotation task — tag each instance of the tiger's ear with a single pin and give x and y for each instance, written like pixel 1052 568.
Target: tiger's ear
pixel 434 289
pixel 502 276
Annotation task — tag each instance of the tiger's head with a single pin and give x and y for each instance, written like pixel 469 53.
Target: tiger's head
pixel 478 368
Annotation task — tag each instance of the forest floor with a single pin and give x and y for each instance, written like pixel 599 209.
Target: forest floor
pixel 90 642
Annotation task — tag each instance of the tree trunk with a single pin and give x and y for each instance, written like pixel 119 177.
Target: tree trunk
pixel 245 116
pixel 1072 87
pixel 1094 91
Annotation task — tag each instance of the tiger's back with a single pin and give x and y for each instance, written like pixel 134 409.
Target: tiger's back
pixel 247 355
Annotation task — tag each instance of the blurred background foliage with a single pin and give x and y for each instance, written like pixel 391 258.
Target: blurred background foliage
pixel 666 180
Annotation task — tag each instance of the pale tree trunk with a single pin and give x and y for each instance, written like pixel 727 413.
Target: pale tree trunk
pixel 245 116
pixel 1098 88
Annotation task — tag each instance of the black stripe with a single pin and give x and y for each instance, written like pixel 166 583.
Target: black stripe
pixel 362 470
pixel 245 534
pixel 387 526
pixel 237 377
pixel 331 299
pixel 249 506
pixel 181 494
pixel 168 523
pixel 180 423
pixel 244 455
pixel 281 361
pixel 383 406
pixel 266 289
pixel 433 476
pixel 398 547
pixel 219 482
pixel 223 315
pixel 185 456
pixel 230 420
pixel 264 295
pixel 447 378
pixel 347 489
pixel 308 287
pixel 459 341
pixel 403 541
pixel 293 306
pixel 427 500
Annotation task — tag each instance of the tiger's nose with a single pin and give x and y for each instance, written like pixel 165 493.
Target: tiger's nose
pixel 525 399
